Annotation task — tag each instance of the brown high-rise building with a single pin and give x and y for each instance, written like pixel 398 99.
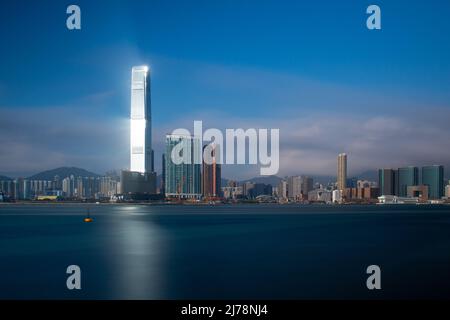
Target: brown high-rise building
pixel 342 172
pixel 211 178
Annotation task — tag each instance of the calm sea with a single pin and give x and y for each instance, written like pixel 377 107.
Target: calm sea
pixel 224 252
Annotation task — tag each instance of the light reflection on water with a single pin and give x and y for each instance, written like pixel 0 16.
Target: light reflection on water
pixel 136 254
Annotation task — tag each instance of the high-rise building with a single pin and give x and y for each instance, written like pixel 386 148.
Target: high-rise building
pixel 183 180
pixel 211 176
pixel 307 185
pixel 407 176
pixel 140 121
pixel 433 177
pixel 342 172
pixel 163 175
pixel 282 190
pixel 387 181
pixel 294 185
pixel 140 179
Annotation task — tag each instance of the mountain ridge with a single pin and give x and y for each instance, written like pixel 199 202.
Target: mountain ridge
pixel 62 172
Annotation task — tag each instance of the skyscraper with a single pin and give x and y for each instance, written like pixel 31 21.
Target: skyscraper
pixel 387 181
pixel 140 179
pixel 342 172
pixel 407 176
pixel 433 177
pixel 307 185
pixel 211 177
pixel 140 121
pixel 294 186
pixel 183 180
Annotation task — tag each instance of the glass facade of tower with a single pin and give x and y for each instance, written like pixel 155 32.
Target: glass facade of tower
pixel 183 180
pixel 433 177
pixel 387 181
pixel 408 176
pixel 140 121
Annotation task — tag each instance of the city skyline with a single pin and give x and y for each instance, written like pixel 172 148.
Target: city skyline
pixel 385 102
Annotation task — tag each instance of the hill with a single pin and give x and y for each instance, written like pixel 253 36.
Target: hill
pixel 272 180
pixel 62 172
pixel 4 178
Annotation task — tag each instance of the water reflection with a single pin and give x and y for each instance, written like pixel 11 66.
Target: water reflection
pixel 136 254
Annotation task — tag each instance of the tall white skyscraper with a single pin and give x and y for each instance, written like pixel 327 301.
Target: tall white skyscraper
pixel 140 121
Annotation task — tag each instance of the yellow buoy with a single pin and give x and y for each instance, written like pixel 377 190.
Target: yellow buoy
pixel 88 217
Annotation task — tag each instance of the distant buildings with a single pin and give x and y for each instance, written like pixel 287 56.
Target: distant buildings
pixel 364 193
pixel 252 190
pixel 406 182
pixel 320 195
pixel 342 171
pixel 70 188
pixel 232 193
pixel 298 187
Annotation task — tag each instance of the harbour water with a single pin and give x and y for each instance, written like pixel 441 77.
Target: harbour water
pixel 224 252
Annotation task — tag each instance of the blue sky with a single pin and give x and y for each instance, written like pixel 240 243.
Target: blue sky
pixel 311 69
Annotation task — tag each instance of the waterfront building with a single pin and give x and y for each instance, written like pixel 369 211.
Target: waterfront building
pixel 389 199
pixel 433 177
pixel 407 176
pixel 232 192
pixel 421 192
pixel 306 185
pixel 282 190
pixel 133 182
pixel 183 180
pixel 320 195
pixel 387 181
pixel 294 186
pixel 337 196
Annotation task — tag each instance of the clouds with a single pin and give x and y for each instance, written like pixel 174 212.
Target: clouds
pixel 39 139
pixel 317 120
pixel 310 144
pixel 33 140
